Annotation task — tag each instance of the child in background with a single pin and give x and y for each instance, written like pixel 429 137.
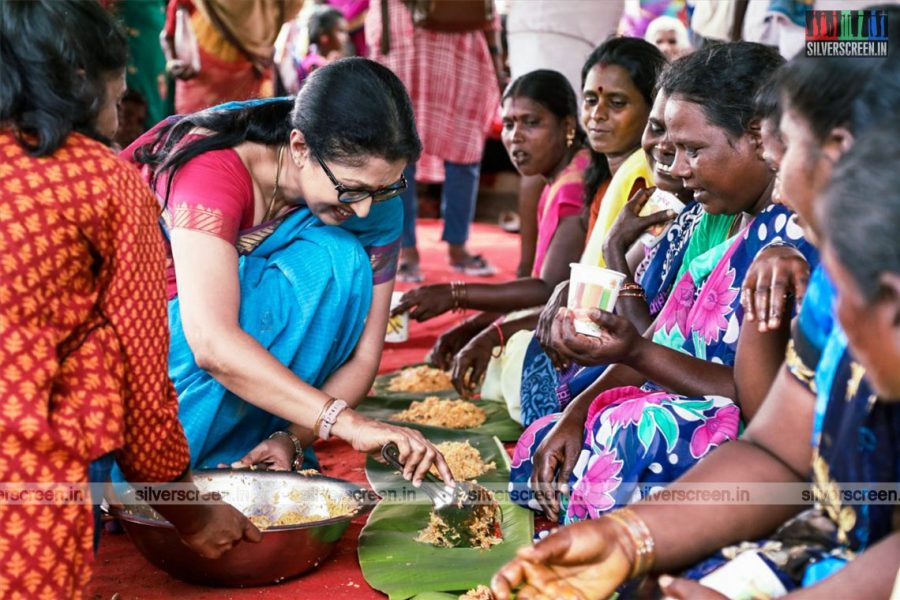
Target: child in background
pixel 328 39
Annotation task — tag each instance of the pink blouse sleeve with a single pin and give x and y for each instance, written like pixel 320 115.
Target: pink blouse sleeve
pixel 570 199
pixel 211 193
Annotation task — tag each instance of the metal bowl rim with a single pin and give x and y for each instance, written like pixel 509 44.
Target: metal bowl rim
pixel 363 507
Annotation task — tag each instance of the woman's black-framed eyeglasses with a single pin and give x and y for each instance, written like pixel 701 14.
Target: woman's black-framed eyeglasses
pixel 350 196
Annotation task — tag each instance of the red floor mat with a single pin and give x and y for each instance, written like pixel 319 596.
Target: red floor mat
pixel 119 568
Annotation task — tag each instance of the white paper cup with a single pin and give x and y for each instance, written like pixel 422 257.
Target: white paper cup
pixel 659 201
pixel 592 287
pixel 397 327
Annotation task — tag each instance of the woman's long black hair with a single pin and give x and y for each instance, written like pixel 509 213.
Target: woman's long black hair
pixel 56 58
pixel 348 111
pixel 643 61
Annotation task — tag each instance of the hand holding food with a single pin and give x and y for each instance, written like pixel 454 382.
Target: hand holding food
pixel 618 340
pixel 471 363
pixel 450 343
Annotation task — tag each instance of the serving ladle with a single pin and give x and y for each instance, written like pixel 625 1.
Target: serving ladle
pixel 459 506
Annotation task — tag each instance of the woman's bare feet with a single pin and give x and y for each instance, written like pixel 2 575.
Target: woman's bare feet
pixel 469 264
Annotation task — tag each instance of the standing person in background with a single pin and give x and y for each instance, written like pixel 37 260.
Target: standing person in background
pixel 715 22
pixel 547 34
pixel 235 41
pixel 82 315
pixel 448 76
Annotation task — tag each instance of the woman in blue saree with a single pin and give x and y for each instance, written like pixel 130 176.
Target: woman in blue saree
pixel 282 223
pixel 670 400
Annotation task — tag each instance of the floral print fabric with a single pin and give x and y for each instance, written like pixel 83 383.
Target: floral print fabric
pixel 639 439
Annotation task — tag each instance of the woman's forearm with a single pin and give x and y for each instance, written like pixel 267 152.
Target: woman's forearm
pixel 774 449
pixel 757 361
pixel 237 361
pixel 712 493
pixel 353 380
pixel 680 372
pixel 506 297
pixel 525 322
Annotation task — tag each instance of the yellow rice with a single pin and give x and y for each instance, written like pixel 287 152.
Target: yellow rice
pixel 421 379
pixel 453 414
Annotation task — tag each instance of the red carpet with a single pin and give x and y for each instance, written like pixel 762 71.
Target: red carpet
pixel 119 568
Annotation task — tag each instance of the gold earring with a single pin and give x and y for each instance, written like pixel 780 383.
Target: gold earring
pixel 570 138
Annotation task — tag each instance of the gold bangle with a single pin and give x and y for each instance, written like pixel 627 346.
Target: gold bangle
pixel 641 537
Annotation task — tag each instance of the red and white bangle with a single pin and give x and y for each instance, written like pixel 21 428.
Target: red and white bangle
pixel 329 416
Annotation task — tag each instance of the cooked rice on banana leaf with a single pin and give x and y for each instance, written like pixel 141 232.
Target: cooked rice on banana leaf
pixel 421 379
pixel 453 414
pixel 484 530
pixel 464 461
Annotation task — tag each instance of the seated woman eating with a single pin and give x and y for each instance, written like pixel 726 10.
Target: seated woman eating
pixel 542 136
pixel 619 77
pixel 283 223
pixel 548 382
pixel 847 434
pixel 672 398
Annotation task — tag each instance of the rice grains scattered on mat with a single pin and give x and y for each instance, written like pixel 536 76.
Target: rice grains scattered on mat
pixel 465 462
pixel 482 592
pixel 453 414
pixel 421 379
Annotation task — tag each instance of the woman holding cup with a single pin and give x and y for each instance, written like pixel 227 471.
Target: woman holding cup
pixel 670 400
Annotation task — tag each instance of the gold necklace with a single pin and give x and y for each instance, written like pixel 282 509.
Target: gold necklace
pixel 277 180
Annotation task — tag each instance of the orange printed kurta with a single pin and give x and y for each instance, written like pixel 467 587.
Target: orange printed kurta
pixel 83 351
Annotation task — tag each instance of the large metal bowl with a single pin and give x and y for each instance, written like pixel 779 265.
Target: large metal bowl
pixel 284 552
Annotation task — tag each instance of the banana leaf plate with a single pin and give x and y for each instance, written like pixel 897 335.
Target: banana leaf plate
pixel 394 563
